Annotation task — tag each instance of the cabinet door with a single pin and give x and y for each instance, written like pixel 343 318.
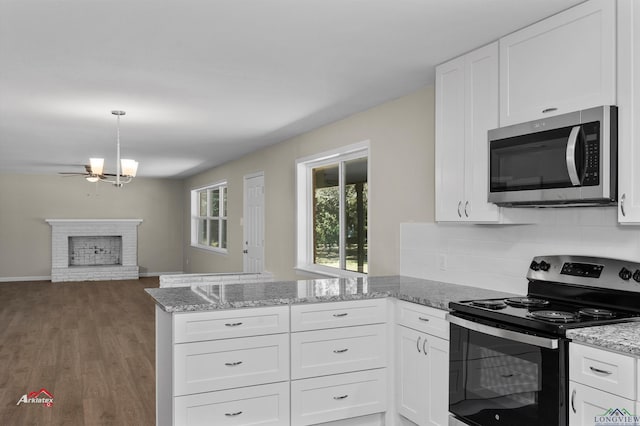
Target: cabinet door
pixel 450 143
pixel 436 351
pixel 628 112
pixel 481 115
pixel 411 375
pixel 587 403
pixel 564 63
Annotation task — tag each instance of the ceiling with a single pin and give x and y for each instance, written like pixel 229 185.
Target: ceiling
pixel 206 81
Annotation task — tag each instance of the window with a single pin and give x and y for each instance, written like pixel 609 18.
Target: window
pixel 209 217
pixel 332 212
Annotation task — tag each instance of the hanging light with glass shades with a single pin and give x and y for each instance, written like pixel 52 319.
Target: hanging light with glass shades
pixel 126 169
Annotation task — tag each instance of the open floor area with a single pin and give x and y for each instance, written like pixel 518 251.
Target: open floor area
pixel 89 344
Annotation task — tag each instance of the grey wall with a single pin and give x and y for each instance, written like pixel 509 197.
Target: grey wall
pixel 27 200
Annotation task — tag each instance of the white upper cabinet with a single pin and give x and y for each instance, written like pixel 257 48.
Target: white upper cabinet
pixel 628 111
pixel 466 108
pixel 564 63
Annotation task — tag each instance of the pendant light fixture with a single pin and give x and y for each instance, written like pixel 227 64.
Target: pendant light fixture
pixel 126 169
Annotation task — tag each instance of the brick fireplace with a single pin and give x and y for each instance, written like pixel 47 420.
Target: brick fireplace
pixel 94 249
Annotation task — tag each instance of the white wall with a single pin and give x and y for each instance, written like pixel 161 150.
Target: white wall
pixel 497 256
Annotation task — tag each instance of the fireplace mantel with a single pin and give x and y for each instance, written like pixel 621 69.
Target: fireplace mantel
pixel 63 229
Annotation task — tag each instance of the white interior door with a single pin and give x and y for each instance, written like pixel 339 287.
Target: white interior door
pixel 253 248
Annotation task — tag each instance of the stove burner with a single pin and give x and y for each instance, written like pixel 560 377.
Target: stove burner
pixel 526 301
pixel 554 316
pixel 596 313
pixel 489 304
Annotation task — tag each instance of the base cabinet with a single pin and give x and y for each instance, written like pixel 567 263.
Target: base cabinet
pixel 422 367
pixel 587 404
pixel 602 385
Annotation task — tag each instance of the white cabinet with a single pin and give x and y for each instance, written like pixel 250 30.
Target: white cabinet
pixel 422 368
pixel 564 63
pixel 338 360
pixel 599 381
pixel 466 108
pixel 587 403
pixel 206 374
pixel 628 112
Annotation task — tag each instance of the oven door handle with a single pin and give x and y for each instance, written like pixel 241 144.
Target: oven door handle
pixel 543 342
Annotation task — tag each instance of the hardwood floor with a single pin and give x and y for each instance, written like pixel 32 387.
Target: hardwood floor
pixel 90 344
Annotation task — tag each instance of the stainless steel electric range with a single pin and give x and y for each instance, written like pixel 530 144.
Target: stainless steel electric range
pixel 509 357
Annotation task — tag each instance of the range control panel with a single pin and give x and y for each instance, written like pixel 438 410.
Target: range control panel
pixel 585 270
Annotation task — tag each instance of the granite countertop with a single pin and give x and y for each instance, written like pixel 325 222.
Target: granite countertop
pixel 621 337
pixel 228 296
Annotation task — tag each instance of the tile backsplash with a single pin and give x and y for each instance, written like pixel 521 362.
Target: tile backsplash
pixel 497 256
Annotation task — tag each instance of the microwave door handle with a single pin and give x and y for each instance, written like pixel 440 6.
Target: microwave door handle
pixel 571 156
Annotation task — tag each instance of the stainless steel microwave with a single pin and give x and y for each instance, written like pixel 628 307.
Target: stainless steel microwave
pixel 565 160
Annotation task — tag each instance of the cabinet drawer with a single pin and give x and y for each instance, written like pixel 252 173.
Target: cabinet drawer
pixel 604 370
pixel 338 314
pixel 199 326
pixel 324 399
pixel 231 363
pixel 264 405
pixel 423 318
pixel 338 350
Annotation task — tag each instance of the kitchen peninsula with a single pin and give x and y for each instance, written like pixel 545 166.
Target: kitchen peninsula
pixel 303 352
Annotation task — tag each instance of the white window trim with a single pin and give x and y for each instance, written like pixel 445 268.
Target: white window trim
pixel 304 198
pixel 194 217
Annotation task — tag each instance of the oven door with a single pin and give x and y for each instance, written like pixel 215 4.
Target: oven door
pixel 504 377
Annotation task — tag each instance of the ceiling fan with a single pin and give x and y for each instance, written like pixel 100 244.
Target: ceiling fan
pixel 126 169
pixel 88 174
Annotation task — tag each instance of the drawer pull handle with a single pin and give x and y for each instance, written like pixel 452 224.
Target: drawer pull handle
pixel 344 314
pixel 233 324
pixel 423 319
pixel 340 397
pixel 573 400
pixel 544 111
pixel 424 348
pixel 340 351
pixel 418 343
pixel 597 370
pixel 233 364
pixel 237 413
